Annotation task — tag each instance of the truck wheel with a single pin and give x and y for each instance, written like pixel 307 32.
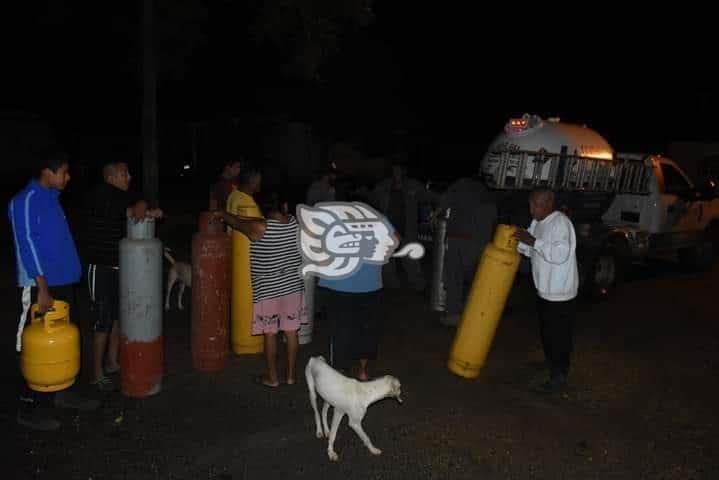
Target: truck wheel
pixel 606 273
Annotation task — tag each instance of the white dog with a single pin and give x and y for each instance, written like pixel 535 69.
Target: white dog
pixel 180 272
pixel 348 397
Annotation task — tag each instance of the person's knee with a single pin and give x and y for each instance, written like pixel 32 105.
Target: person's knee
pixel 103 322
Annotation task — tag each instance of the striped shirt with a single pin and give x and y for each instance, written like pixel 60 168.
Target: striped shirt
pixel 275 261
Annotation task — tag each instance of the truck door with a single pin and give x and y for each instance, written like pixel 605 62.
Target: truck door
pixel 682 213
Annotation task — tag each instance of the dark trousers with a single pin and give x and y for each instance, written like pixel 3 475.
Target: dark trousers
pixel 556 326
pixel 355 325
pixel 460 266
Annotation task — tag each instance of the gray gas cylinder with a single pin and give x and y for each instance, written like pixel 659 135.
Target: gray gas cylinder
pixel 438 295
pixel 141 354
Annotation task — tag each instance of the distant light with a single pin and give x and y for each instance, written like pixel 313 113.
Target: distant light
pixel 186 167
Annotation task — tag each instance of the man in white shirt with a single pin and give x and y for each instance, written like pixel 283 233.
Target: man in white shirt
pixel 550 243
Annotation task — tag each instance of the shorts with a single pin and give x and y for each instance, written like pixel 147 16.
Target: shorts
pixel 282 313
pixel 103 284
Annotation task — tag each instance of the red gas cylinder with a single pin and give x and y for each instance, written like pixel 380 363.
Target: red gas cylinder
pixel 211 264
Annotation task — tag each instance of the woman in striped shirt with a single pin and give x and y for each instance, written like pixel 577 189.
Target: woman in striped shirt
pixel 277 288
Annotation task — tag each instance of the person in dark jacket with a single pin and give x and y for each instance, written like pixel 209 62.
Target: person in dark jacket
pixel 472 220
pixel 106 210
pixel 225 184
pixel 398 198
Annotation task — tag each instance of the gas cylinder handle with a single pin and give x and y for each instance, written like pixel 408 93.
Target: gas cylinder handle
pixel 38 314
pixel 507 236
pixel 46 323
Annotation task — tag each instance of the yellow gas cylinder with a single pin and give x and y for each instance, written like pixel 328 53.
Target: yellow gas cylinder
pixel 487 298
pixel 243 342
pixel 50 358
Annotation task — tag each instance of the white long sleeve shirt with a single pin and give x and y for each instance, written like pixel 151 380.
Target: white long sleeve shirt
pixel 553 256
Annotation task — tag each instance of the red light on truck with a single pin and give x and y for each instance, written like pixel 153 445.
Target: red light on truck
pixel 517 125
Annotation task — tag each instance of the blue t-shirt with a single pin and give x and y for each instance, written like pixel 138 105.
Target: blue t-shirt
pixel 367 279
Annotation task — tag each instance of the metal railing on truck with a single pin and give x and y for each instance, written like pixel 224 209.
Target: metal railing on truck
pixel 622 174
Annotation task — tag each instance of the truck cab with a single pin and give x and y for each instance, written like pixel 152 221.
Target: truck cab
pixel 675 216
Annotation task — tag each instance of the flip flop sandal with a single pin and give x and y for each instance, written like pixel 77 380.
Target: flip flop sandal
pixel 258 380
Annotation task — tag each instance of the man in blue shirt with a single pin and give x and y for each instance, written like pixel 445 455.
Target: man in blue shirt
pixel 47 267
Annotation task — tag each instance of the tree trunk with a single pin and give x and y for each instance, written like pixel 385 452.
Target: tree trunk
pixel 150 164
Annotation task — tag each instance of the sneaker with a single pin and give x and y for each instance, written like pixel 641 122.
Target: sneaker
pixel 68 399
pixel 34 419
pixel 104 384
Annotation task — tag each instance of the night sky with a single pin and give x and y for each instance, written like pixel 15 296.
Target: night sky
pixel 451 72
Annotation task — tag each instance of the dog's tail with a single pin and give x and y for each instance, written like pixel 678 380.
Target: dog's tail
pixel 166 253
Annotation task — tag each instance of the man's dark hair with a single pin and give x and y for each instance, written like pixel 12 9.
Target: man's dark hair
pixel 270 202
pixel 52 158
pixel 247 173
pixel 109 167
pixel 545 193
pixel 229 161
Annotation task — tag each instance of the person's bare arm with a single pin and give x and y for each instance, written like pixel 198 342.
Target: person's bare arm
pixel 253 228
pixel 138 210
pixel 44 298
